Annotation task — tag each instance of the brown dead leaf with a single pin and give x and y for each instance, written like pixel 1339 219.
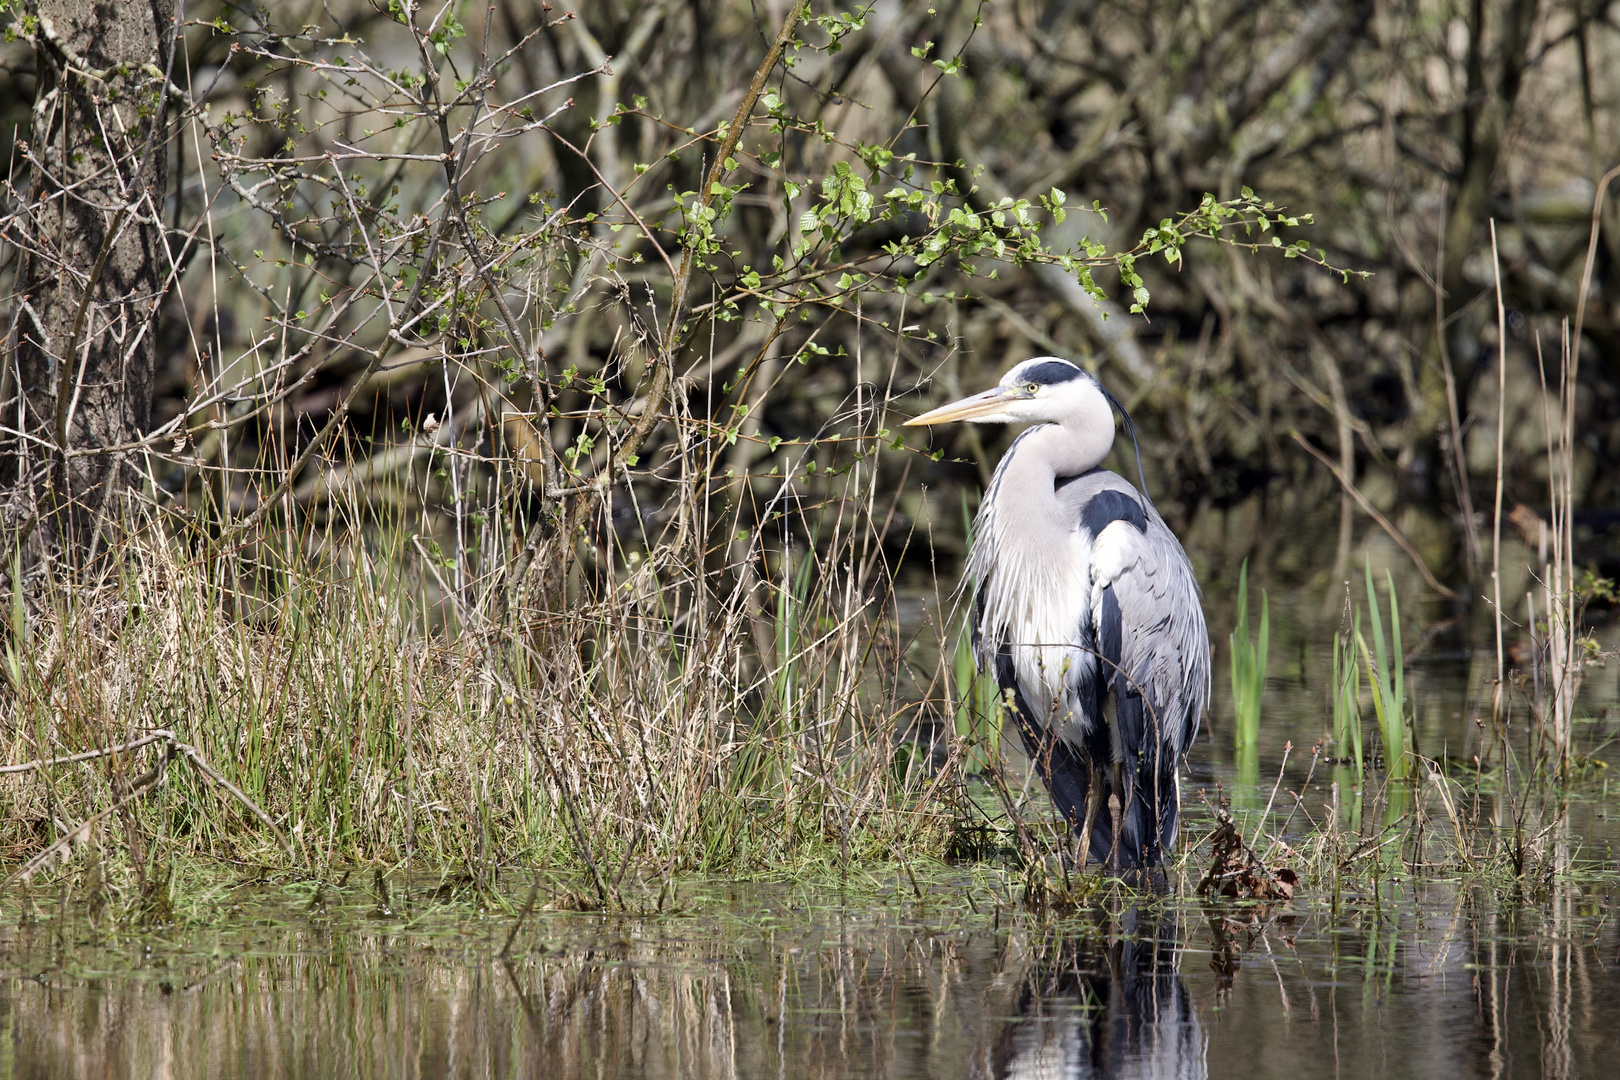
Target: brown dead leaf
pixel 1237 873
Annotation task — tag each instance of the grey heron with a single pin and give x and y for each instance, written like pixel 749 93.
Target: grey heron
pixel 1086 612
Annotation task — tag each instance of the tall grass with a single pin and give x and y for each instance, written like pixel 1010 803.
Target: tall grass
pixel 978 699
pixel 1346 703
pixel 1386 675
pixel 1248 679
pixel 978 712
pixel 675 713
pixel 1565 642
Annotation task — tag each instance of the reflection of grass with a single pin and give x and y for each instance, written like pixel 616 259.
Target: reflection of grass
pixel 1248 681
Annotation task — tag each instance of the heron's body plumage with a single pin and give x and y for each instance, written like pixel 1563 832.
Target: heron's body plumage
pixel 1107 659
pixel 1086 611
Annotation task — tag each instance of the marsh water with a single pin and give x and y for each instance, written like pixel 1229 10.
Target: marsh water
pixel 948 980
pixel 908 971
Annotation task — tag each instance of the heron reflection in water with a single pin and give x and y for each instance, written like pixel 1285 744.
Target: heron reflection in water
pixel 1087 613
pixel 1109 1006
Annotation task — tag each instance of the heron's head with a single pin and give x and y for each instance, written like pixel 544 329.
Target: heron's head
pixel 1044 390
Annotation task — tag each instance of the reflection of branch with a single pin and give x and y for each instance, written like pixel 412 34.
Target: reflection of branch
pixel 1372 511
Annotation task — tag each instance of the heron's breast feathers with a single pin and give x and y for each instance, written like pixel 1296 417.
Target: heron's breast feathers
pixel 1029 597
pixel 1051 601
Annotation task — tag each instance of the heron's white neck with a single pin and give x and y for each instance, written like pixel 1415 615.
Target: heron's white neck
pixel 1071 449
pixel 1046 454
pixel 1028 561
pixel 1021 520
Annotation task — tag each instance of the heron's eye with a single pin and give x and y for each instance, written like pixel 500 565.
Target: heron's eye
pixel 1032 388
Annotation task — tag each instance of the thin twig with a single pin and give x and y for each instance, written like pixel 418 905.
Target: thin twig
pixel 1501 435
pixel 89 755
pixel 1260 829
pixel 1372 512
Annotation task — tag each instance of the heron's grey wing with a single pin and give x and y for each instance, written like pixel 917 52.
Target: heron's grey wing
pixel 1142 578
pixel 1145 609
pixel 1153 646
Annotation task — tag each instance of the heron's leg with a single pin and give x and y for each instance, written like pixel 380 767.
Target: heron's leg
pixel 1093 802
pixel 1116 812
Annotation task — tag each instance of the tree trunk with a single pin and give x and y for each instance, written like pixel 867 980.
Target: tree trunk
pixel 91 275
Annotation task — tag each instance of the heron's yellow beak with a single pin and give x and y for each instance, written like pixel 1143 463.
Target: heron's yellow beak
pixel 989 403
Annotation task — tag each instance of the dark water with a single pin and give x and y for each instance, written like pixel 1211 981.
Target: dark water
pixel 772 981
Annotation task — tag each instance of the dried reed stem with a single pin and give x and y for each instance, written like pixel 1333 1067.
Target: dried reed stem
pixel 1496 523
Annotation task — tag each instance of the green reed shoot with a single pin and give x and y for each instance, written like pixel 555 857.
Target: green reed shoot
pixel 1386 672
pixel 1248 677
pixel 977 697
pixel 794 628
pixel 978 705
pixel 1347 705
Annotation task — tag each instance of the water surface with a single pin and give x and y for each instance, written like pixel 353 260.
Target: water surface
pixel 760 980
